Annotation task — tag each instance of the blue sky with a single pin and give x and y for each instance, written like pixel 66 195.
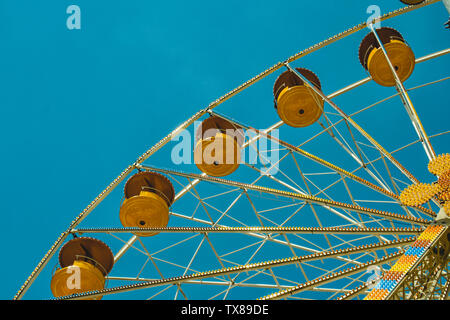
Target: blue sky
pixel 78 106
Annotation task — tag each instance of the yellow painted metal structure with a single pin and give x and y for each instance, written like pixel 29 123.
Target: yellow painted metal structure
pixel 406 278
pixel 402 58
pixel 440 164
pixel 148 196
pixel 90 279
pixel 400 54
pixel 418 194
pixel 218 148
pixel 84 264
pixel 297 104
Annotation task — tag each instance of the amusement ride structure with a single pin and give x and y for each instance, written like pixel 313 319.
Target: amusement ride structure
pixel 298 228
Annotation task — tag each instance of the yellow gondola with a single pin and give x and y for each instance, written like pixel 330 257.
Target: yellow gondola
pixel 84 263
pixel 218 147
pixel 373 59
pixel 148 196
pixel 297 104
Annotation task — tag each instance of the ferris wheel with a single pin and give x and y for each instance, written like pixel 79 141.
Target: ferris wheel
pixel 269 213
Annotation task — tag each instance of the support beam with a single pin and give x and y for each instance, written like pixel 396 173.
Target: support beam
pixel 245 230
pixel 412 113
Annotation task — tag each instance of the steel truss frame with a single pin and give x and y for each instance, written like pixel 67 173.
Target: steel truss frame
pixel 429 279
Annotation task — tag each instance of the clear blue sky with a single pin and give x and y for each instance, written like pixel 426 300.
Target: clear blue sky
pixel 78 106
